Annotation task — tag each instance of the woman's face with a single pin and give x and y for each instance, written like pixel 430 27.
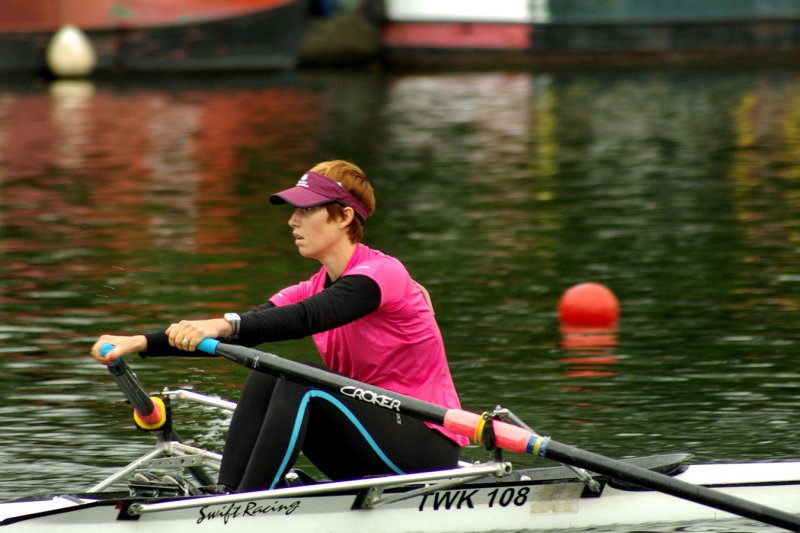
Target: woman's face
pixel 316 235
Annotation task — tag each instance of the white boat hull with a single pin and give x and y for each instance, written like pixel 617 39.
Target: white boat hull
pixel 486 505
pixel 472 498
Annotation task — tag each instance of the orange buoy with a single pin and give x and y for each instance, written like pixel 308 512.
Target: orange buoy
pixel 588 305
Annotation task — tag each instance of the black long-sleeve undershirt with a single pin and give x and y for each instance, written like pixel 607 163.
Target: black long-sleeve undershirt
pixel 341 302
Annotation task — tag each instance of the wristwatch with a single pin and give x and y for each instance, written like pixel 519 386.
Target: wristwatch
pixel 235 321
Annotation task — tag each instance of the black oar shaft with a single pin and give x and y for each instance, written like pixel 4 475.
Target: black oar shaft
pixel 294 371
pixel 149 413
pixel 131 387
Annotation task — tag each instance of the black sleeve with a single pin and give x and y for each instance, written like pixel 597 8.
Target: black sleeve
pixel 346 300
pixel 349 299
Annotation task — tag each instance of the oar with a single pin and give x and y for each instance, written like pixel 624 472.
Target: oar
pixel 149 412
pixel 508 437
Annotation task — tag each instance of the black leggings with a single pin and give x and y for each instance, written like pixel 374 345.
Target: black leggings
pixel 276 419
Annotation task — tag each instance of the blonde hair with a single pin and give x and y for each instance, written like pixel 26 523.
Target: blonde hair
pixel 355 181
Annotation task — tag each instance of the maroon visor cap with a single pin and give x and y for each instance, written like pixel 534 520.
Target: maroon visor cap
pixel 314 189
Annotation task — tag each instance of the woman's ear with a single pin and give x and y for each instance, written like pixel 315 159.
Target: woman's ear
pixel 348 216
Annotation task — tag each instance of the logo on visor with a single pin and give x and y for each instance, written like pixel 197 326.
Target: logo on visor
pixel 303 181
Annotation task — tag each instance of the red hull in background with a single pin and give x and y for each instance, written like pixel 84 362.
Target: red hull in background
pixel 157 35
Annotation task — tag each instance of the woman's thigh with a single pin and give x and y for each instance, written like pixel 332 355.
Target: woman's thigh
pixel 347 438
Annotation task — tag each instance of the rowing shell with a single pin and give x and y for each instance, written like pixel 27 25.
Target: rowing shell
pixel 539 499
pixel 472 498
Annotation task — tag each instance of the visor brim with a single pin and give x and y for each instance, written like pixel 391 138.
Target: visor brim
pixel 299 197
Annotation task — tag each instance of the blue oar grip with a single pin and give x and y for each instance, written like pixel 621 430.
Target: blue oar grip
pixel 208 345
pixel 104 349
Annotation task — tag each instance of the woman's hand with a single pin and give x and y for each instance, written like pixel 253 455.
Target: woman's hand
pixel 187 334
pixel 123 345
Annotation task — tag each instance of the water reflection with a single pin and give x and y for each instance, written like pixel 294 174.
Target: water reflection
pixel 628 179
pixel 107 194
pixel 122 206
pixel 765 180
pixel 588 352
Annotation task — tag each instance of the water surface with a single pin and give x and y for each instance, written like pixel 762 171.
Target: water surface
pixel 124 206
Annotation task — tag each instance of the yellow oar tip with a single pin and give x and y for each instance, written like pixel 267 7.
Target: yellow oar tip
pixel 156 419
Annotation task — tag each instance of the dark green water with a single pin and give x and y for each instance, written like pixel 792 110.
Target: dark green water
pixel 125 206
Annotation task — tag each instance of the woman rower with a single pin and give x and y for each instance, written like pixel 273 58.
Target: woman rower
pixel 369 320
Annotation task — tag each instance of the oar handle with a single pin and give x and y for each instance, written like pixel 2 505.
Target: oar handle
pixel 208 345
pixel 148 412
